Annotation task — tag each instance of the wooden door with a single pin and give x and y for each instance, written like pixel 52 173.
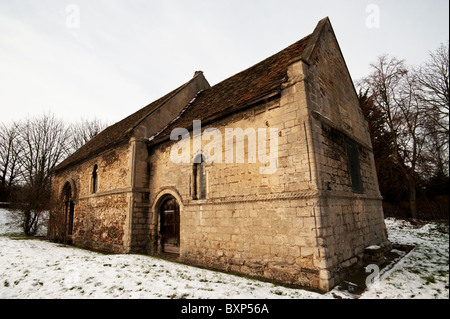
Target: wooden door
pixel 170 226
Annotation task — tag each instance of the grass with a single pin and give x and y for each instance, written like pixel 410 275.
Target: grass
pixel 430 279
pixel 16 235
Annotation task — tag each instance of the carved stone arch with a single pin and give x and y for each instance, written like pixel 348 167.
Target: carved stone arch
pixel 166 196
pixel 67 200
pixel 166 192
pixel 69 183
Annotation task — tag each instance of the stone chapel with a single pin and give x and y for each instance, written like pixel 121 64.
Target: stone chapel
pixel 303 223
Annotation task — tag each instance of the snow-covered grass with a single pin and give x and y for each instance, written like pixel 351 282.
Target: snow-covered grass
pixel 424 273
pixel 40 269
pixel 8 224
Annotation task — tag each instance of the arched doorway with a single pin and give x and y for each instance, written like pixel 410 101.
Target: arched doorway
pixel 69 209
pixel 169 225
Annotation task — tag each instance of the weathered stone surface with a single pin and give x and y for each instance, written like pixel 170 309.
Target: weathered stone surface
pixel 99 218
pixel 303 224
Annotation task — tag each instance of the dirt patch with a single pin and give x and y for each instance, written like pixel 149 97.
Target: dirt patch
pixel 365 272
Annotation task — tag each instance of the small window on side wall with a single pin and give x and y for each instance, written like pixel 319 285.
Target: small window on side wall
pixel 94 180
pixel 199 178
pixel 353 166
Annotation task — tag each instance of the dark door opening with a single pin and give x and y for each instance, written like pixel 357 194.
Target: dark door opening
pixel 71 212
pixel 170 226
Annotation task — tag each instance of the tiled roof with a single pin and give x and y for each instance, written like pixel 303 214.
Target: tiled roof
pixel 240 89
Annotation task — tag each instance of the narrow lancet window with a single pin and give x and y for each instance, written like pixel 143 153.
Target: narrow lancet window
pixel 199 172
pixel 94 180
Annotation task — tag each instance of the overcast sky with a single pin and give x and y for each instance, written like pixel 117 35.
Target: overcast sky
pixel 109 58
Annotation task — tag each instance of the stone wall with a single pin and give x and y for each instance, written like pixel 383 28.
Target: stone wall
pixel 302 224
pixel 100 218
pixel 115 218
pixel 227 180
pixel 99 223
pixel 272 239
pixel 251 223
pixel 350 220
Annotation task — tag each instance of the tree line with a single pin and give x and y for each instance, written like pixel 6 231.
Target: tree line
pixel 29 151
pixel 407 109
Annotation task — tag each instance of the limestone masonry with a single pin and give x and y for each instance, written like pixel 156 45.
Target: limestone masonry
pixel 305 224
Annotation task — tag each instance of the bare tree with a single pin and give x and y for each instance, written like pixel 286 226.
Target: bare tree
pixel 29 152
pixel 43 142
pixel 434 93
pixel 10 154
pixel 390 178
pixel 393 88
pixel 83 131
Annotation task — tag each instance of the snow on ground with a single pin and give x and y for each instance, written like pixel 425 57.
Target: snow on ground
pixel 8 225
pixel 40 269
pixel 424 272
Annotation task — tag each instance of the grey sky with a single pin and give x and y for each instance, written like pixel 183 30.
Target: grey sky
pixel 125 54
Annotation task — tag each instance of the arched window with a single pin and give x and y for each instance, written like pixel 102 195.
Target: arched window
pixel 94 180
pixel 199 178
